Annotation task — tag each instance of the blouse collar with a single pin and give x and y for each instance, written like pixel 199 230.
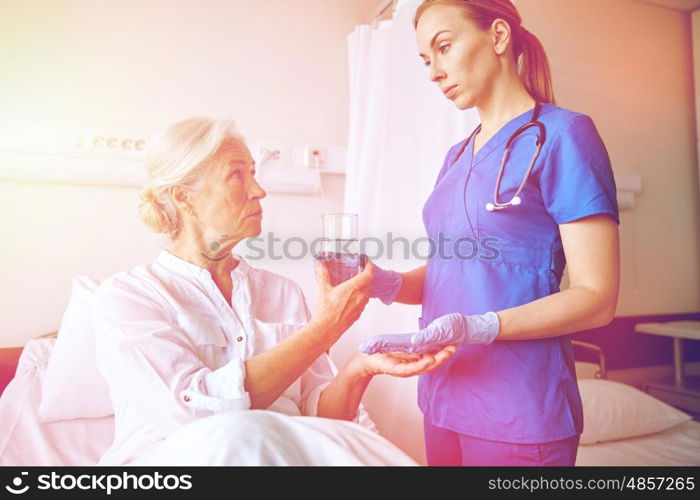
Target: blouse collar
pixel 174 263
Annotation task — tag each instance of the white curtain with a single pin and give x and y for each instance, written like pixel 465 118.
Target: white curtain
pixel 400 130
pixel 401 126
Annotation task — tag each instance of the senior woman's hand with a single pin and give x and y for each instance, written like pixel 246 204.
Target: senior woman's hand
pixel 340 306
pixel 402 364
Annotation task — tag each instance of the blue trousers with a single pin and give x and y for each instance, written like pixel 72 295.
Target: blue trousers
pixel 445 447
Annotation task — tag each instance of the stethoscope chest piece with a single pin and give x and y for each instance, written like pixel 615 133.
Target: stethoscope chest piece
pixel 541 134
pixel 517 200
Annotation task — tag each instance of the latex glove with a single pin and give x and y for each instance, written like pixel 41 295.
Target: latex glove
pixel 385 285
pixel 452 329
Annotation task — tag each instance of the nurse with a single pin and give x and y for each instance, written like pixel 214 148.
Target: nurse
pixel 509 395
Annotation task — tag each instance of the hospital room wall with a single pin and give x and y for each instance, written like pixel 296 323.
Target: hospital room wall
pixel 277 67
pixel 695 23
pixel 85 63
pixel 629 66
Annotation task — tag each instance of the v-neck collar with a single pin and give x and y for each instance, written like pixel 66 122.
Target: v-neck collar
pixel 499 137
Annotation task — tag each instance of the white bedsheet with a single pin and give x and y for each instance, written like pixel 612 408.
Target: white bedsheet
pixel 679 445
pixel 258 437
pixel 236 438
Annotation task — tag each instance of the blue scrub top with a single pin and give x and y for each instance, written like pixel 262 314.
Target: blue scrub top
pixel 521 391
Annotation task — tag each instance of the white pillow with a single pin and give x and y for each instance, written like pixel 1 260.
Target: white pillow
pixel 27 441
pixel 612 410
pixel 73 388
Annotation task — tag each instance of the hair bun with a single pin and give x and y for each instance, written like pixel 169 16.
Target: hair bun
pixel 148 196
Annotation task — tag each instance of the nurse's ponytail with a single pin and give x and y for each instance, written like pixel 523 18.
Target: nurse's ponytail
pixel 533 65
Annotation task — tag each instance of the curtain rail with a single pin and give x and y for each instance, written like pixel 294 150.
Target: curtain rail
pixel 382 7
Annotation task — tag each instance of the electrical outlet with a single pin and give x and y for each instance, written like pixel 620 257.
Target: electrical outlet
pixel 271 154
pixel 126 146
pixel 317 158
pixel 309 157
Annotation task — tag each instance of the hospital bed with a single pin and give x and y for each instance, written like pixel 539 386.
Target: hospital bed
pixel 622 425
pixel 33 434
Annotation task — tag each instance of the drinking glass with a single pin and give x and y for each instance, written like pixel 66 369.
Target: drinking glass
pixel 340 247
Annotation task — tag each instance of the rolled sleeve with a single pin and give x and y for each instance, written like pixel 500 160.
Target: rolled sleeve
pixel 309 405
pixel 313 382
pixel 220 393
pixel 151 365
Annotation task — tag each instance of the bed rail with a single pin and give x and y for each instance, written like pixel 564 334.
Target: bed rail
pixel 597 351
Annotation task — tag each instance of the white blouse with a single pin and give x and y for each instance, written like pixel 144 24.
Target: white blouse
pixel 172 350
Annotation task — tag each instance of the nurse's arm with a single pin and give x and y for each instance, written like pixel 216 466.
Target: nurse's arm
pixel 592 250
pixel 412 286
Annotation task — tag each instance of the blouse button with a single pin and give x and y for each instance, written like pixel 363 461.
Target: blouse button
pixel 187 399
pixel 240 339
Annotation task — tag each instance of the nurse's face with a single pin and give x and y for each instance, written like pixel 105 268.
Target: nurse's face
pixel 229 202
pixel 460 55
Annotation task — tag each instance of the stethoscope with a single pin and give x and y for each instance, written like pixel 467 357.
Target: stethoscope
pixel 515 200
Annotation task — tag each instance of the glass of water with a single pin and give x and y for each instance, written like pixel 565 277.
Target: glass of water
pixel 340 248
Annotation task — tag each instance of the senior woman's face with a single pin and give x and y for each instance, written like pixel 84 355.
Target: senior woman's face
pixel 229 202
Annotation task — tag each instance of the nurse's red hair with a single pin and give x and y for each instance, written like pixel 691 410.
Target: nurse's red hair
pixel 533 65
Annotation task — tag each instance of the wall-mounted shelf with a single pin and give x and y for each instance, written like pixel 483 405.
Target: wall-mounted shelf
pixel 71 169
pixel 103 171
pixel 110 160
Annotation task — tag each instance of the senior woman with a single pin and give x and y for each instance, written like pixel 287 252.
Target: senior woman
pixel 193 342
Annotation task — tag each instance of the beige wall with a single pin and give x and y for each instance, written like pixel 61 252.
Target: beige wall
pixel 695 20
pixel 629 66
pixel 278 67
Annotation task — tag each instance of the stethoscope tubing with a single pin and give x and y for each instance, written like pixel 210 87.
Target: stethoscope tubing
pixel 541 137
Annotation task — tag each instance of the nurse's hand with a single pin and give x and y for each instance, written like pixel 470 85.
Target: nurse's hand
pixel 385 285
pixel 452 329
pixel 400 364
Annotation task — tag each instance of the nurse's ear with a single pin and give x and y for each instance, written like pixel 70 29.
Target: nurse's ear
pixel 500 36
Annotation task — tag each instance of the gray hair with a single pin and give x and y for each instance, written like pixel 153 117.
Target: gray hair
pixel 179 155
